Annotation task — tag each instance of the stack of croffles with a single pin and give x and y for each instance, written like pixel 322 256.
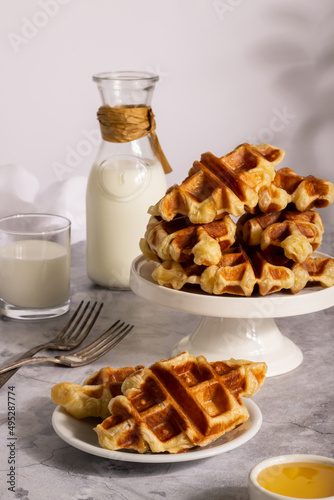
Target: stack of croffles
pixel 193 237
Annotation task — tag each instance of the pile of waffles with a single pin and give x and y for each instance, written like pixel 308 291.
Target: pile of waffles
pixel 269 248
pixel 173 406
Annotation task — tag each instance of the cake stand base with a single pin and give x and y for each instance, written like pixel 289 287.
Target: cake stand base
pixel 250 339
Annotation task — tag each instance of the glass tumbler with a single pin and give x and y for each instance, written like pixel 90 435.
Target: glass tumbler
pixel 34 266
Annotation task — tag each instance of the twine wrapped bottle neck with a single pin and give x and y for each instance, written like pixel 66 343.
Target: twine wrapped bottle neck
pixel 128 123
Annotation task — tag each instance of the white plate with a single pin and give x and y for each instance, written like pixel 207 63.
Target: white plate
pixel 80 434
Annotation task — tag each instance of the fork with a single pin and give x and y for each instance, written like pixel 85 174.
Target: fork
pixel 72 335
pixel 93 351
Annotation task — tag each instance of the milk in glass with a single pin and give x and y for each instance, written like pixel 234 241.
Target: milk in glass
pixel 34 273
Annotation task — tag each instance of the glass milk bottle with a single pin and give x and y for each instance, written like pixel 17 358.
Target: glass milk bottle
pixel 127 177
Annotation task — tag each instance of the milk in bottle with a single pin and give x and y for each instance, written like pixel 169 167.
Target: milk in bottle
pixel 118 198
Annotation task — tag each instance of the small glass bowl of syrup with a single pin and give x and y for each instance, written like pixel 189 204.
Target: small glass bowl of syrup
pixel 291 477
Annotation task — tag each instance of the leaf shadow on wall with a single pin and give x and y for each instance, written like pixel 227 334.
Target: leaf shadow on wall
pixel 301 55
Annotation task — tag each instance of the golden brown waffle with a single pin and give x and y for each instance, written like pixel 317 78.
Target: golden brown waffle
pixel 217 185
pixel 176 274
pixel 270 278
pixel 242 273
pixel 298 234
pixel 238 273
pixel 234 274
pixel 92 398
pixel 314 271
pixel 180 403
pixel 288 187
pixel 243 378
pixel 181 241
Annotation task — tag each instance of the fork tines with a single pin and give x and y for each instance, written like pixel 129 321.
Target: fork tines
pixel 106 341
pixel 80 318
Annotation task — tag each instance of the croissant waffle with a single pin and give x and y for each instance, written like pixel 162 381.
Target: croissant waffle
pixel 288 187
pixel 316 271
pixel 92 398
pixel 176 274
pixel 180 403
pixel 238 273
pixel 181 241
pixel 242 275
pixel 217 185
pixel 298 234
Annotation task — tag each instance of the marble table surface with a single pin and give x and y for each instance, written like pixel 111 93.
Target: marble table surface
pixel 297 407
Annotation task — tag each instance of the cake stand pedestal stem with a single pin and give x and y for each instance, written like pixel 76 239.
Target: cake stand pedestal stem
pixel 254 339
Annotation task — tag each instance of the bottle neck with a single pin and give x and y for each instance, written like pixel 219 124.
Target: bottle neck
pixel 126 88
pixel 126 115
pixel 125 123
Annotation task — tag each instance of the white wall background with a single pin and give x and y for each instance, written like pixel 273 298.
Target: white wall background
pixel 230 71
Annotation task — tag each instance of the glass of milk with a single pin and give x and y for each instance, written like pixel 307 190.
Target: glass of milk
pixel 34 266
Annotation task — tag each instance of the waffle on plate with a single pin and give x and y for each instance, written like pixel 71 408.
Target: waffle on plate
pixel 172 406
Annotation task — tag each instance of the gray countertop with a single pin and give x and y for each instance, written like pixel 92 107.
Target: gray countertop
pixel 297 407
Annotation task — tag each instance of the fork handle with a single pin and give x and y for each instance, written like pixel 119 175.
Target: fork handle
pixel 29 354
pixel 26 361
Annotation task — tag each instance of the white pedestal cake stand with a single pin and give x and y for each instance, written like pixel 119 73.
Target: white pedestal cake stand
pixel 233 326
